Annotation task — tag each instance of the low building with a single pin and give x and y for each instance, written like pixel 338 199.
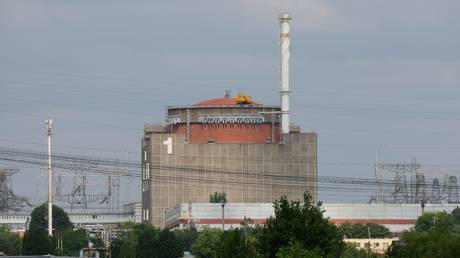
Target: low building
pixel 216 215
pixel 396 217
pixel 376 245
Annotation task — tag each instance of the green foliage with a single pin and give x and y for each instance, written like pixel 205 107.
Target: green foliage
pixel 296 250
pixel 441 221
pixel 302 222
pixel 207 243
pixel 169 246
pixel 426 244
pixel 124 246
pixel 10 244
pixel 235 244
pixel 147 241
pixel 218 198
pixel 361 230
pixel 353 252
pixel 142 240
pixel 456 215
pixel 186 237
pixel 36 241
pixel 39 218
pixel 73 241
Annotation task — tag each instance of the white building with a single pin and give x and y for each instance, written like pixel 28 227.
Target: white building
pixel 396 217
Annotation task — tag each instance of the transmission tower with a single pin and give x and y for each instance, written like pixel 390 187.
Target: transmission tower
pixel 407 183
pixel 9 201
pixel 451 189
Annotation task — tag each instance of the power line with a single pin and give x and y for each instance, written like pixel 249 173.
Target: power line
pixel 366 110
pixel 17 154
pixel 214 85
pixel 346 146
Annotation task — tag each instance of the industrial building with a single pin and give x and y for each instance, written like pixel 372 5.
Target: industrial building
pixel 248 150
pixel 224 145
pixel 396 217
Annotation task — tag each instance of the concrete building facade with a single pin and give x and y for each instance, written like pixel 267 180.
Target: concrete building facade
pixel 230 145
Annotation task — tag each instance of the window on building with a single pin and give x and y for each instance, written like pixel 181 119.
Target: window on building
pixel 143 171
pixel 147 171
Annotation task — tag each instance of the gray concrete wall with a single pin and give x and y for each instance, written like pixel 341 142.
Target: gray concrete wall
pixel 247 173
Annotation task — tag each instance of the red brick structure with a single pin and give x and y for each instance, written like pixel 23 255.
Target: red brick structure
pixel 226 120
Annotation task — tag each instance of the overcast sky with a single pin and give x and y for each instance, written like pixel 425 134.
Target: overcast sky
pixel 366 75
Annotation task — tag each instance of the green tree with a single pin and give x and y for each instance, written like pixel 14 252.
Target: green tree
pixel 207 243
pixel 456 215
pixel 36 241
pixel 73 241
pixel 170 247
pixel 218 198
pixel 10 244
pixel 186 237
pixel 234 244
pixel 147 241
pixel 427 244
pixel 299 221
pixel 125 245
pixel 352 252
pixel 61 221
pixel 363 230
pixel 441 221
pixel 144 240
pixel 296 250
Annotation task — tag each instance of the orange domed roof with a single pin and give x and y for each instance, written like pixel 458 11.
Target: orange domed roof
pixel 217 102
pixel 227 101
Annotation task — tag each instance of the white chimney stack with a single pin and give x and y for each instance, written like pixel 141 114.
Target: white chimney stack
pixel 284 91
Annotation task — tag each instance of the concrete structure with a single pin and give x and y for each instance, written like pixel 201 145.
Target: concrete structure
pixel 284 73
pixel 396 217
pixel 134 209
pixel 230 145
pixel 132 213
pixel 376 245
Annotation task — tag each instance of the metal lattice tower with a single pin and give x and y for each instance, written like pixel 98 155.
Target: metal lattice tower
pixel 435 192
pixel 81 191
pixel 452 189
pixel 408 183
pixel 9 201
pixel 420 193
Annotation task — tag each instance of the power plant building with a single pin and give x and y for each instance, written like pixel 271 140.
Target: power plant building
pixel 230 145
pixel 233 145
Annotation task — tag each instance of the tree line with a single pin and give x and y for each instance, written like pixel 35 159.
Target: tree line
pixel 297 229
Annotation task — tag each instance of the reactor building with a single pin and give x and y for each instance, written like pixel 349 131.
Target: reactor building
pixel 245 149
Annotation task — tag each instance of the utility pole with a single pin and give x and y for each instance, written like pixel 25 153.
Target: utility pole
pixel 49 125
pixel 223 216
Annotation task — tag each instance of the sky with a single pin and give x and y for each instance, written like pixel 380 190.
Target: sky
pixel 367 76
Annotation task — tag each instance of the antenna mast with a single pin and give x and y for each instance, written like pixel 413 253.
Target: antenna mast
pixel 49 126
